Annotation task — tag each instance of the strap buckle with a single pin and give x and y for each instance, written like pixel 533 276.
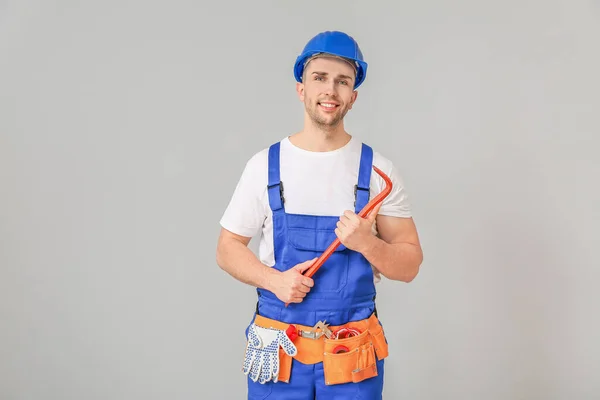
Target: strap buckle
pixel 280 183
pixel 357 188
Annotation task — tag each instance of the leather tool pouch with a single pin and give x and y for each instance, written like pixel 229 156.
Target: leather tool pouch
pixel 380 343
pixel 359 362
pixel 285 366
pixel 355 365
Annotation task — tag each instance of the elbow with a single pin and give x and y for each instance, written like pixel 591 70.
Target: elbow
pixel 404 274
pixel 408 273
pixel 219 260
pixel 411 275
pixel 220 256
pixel 228 249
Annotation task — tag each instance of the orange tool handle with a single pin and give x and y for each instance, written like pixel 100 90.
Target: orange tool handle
pixel 366 210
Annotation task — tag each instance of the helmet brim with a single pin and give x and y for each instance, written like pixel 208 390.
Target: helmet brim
pixel 361 66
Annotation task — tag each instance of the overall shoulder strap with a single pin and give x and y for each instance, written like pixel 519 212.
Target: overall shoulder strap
pixel 275 186
pixel 362 188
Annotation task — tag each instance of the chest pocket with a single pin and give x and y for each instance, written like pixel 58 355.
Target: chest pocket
pixel 308 237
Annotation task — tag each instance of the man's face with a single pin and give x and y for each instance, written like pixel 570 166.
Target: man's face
pixel 327 90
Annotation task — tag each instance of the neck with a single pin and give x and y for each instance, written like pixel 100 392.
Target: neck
pixel 314 137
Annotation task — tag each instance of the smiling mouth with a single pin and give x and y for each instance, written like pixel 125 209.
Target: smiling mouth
pixel 328 106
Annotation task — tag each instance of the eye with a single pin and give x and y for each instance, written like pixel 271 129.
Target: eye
pixel 318 78
pixel 344 82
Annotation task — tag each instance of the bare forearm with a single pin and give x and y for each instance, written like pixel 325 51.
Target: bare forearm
pixel 396 261
pixel 239 261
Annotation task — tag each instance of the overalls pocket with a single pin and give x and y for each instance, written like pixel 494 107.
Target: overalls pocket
pixel 307 239
pixel 356 363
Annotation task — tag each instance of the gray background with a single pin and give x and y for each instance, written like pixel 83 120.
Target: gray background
pixel 124 128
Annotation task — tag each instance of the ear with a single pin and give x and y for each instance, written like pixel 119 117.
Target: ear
pixel 300 90
pixel 353 99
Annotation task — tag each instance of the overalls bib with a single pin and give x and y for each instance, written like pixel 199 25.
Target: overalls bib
pixel 343 291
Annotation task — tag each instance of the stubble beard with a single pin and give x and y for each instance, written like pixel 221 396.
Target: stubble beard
pixel 322 122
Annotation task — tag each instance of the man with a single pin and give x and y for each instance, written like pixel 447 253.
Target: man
pixel 318 337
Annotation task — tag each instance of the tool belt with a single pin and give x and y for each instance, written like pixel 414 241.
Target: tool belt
pixel 355 363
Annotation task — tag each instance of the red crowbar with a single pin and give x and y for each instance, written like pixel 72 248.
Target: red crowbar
pixel 363 213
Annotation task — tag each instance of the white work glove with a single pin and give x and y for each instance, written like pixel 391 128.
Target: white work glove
pixel 261 362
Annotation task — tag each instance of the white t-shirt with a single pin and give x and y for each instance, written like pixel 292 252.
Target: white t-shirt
pixel 315 183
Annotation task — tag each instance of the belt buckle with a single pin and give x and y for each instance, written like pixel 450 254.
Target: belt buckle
pixel 315 334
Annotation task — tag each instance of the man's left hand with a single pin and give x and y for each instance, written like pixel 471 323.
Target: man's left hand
pixel 353 231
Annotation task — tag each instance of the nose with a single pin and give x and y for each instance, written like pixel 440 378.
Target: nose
pixel 330 88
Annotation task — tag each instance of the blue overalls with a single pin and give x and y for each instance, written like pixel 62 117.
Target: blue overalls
pixel 344 290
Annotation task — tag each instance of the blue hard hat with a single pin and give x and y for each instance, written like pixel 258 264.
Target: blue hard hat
pixel 335 43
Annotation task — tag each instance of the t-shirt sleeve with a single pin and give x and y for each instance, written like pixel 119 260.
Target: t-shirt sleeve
pixel 246 213
pixel 397 203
